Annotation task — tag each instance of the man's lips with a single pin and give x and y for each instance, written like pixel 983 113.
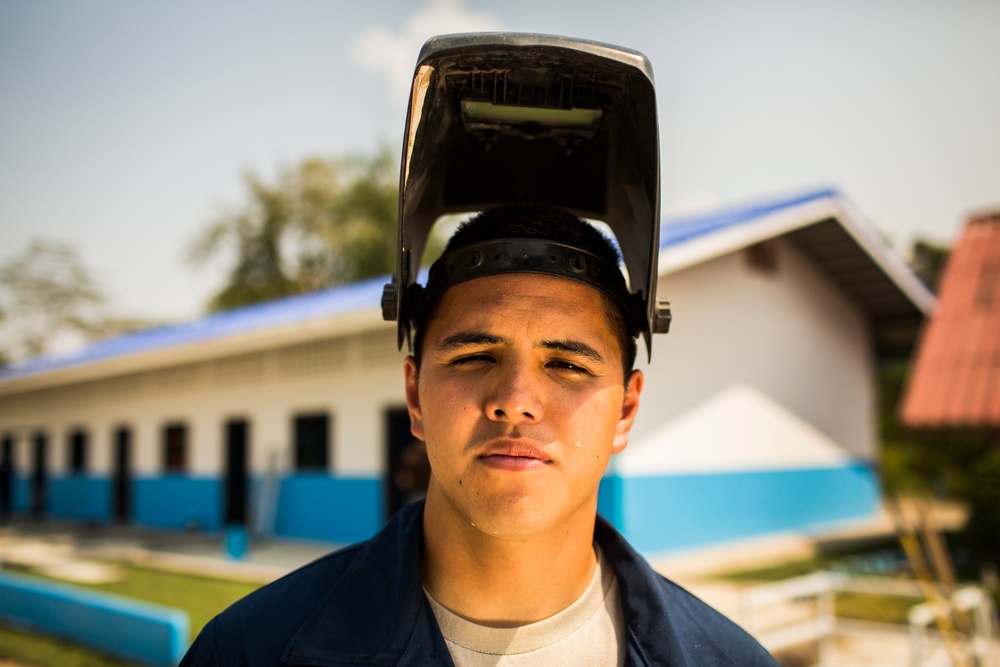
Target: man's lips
pixel 514 455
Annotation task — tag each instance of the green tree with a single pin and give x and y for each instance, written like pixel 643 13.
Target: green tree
pixel 983 530
pixel 49 298
pixel 921 462
pixel 928 260
pixel 957 463
pixel 321 223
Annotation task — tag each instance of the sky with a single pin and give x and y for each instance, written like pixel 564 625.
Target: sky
pixel 126 127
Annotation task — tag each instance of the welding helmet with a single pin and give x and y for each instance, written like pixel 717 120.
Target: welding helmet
pixel 502 118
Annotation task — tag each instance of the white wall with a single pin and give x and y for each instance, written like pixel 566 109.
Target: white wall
pixel 353 379
pixel 790 335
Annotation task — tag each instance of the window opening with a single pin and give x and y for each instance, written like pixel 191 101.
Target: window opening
pixel 175 447
pixel 312 440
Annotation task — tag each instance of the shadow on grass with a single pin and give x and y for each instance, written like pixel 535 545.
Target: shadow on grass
pixel 34 650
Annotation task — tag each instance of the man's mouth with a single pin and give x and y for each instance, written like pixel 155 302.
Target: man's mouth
pixel 514 455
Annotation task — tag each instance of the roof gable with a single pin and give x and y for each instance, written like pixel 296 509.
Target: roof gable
pixel 828 230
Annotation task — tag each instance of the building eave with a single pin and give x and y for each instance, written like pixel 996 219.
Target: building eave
pixel 199 351
pixel 833 234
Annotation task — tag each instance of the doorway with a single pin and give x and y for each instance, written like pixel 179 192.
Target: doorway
pixel 237 435
pixel 39 475
pixel 8 473
pixel 122 497
pixel 407 468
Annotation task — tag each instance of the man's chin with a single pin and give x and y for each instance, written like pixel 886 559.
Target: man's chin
pixel 513 518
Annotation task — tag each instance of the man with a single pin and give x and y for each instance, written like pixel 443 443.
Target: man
pixel 522 387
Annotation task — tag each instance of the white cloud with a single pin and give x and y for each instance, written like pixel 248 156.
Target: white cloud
pixel 393 54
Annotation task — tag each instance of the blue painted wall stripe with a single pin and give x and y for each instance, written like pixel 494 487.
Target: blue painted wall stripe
pixel 178 502
pixel 609 500
pixel 656 513
pixel 121 626
pixel 672 512
pixel 323 507
pixel 84 498
pixel 22 494
pixel 311 506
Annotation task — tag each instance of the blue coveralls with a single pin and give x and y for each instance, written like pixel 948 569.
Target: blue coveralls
pixel 364 605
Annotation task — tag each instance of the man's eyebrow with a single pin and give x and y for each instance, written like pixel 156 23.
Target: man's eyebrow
pixel 575 347
pixel 463 338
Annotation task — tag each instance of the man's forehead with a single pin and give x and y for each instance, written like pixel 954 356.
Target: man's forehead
pixel 485 304
pixel 524 290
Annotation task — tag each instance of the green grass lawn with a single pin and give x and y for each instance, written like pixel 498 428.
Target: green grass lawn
pixel 879 608
pixel 201 597
pixel 31 649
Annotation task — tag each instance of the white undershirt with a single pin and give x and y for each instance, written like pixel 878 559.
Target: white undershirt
pixel 589 632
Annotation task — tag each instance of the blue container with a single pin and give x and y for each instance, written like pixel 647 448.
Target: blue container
pixel 236 541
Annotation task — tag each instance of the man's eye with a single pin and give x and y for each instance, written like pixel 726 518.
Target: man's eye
pixel 472 360
pixel 568 367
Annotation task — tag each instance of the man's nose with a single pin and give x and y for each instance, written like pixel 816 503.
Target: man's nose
pixel 516 397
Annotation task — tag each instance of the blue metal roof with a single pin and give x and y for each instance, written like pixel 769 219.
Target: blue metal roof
pixel 291 310
pixel 343 299
pixel 674 232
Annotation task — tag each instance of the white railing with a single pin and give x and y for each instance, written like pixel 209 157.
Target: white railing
pixel 779 615
pixel 821 586
pixel 972 601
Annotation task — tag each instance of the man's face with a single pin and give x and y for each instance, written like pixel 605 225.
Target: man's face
pixel 521 401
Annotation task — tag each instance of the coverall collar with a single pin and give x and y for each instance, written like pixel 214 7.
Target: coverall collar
pixel 384 618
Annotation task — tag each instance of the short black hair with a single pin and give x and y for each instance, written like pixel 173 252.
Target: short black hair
pixel 535 221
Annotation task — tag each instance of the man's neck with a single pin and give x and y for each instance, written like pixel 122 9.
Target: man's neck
pixel 504 582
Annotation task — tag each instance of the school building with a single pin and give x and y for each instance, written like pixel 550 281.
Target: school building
pixel 758 415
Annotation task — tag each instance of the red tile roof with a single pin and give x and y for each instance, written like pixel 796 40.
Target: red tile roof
pixel 956 375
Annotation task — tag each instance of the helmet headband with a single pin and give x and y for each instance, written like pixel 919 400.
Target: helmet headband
pixel 504 256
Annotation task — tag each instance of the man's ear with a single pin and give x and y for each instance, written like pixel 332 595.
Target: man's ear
pixel 630 407
pixel 413 397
